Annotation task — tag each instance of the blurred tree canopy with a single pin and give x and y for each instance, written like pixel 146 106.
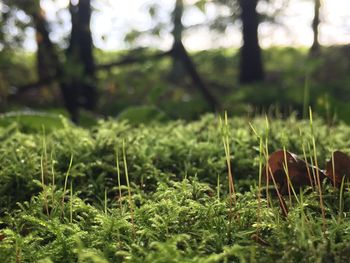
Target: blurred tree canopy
pixel 66 69
pixel 75 72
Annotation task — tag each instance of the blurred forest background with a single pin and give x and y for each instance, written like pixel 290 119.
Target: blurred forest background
pixel 157 60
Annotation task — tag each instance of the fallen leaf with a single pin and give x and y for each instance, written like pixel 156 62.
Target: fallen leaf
pixel 299 172
pixel 338 168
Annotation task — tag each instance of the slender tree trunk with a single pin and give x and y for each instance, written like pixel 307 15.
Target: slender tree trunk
pixel 79 88
pixel 177 21
pixel 315 48
pixel 47 60
pixel 251 67
pixel 77 76
pixel 177 72
pixel 89 92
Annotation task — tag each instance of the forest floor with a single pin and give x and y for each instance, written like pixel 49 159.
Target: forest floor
pixel 160 192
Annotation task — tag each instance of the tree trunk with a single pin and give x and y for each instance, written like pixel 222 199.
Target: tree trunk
pixel 89 92
pixel 251 68
pixel 177 72
pixel 79 88
pixel 47 60
pixel 315 48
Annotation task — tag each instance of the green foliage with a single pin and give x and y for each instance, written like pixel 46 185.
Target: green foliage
pixel 288 72
pixel 179 205
pixel 142 114
pixel 31 121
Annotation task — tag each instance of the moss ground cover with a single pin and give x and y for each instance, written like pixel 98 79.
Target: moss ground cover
pixel 159 193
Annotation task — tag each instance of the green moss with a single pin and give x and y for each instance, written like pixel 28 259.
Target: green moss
pixel 179 209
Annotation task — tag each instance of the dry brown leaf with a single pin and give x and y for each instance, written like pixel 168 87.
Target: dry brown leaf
pixel 340 169
pixel 300 173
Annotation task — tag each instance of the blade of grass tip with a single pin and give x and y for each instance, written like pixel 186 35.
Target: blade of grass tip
pixel 311 121
pixel 129 191
pixel 267 130
pixel 44 186
pixel 306 101
pixel 119 184
pixel 341 196
pixel 44 148
pixel 66 181
pixel 220 123
pixel 254 130
pixel 317 170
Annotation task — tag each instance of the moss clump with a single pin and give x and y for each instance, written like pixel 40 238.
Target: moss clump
pixel 179 206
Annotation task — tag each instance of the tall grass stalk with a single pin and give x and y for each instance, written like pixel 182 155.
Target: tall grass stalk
pixel 266 152
pixel 129 192
pixel 306 162
pixel 306 96
pixel 52 178
pixel 43 165
pixel 317 169
pixel 228 160
pixel 44 186
pixel 261 156
pixel 232 194
pixel 119 184
pixel 66 182
pixel 290 185
pixel 269 171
